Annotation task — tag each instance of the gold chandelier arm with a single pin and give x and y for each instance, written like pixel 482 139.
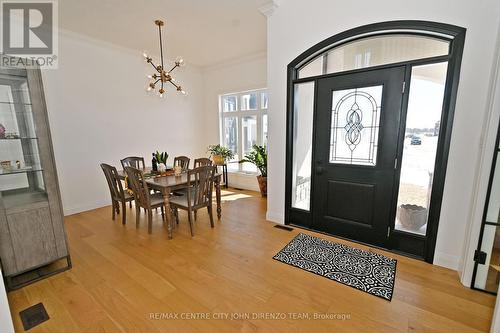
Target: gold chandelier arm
pixel 173 84
pixel 154 66
pixel 173 68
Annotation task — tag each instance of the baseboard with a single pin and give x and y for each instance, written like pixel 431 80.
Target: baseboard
pixel 84 207
pixel 275 217
pixel 243 181
pixel 446 260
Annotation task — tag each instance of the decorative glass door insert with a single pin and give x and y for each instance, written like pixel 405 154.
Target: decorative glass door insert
pixel 355 125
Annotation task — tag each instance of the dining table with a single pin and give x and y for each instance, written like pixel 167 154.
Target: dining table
pixel 166 184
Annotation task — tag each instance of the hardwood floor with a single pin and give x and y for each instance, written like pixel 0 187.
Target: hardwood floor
pixel 124 280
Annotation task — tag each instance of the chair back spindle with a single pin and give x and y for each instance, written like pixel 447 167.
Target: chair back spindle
pixel 203 161
pixel 134 162
pixel 138 186
pixel 114 183
pixel 200 180
pixel 182 161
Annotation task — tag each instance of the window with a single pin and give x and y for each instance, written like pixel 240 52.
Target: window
pixel 302 144
pixel 373 51
pixel 243 123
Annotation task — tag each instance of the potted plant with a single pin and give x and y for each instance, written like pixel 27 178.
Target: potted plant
pixel 220 154
pixel 160 158
pixel 258 157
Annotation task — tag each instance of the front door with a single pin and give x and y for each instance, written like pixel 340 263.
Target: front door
pixel 356 139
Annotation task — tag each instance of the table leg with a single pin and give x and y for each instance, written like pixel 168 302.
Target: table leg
pixel 168 212
pixel 218 197
pixel 224 168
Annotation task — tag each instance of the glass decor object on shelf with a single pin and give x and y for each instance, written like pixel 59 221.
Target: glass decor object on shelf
pixel 423 121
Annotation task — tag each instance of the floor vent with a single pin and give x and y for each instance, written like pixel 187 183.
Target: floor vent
pixel 33 316
pixel 284 227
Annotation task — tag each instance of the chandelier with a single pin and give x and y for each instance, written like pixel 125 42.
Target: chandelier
pixel 161 76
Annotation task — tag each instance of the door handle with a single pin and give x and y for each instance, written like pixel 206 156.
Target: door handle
pixel 319 170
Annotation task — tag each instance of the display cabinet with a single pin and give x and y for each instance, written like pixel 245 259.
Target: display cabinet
pixel 32 236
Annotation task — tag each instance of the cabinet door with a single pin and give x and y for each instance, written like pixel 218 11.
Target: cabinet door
pixel 32 238
pixel 6 251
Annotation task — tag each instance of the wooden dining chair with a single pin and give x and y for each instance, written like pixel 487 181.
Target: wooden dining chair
pixel 202 161
pixel 134 162
pixel 118 195
pixel 200 183
pixel 143 197
pixel 182 161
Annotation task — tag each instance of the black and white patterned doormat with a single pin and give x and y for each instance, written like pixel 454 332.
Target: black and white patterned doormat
pixel 370 272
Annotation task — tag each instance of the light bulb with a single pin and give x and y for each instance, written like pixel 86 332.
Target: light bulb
pixel 144 54
pixel 161 95
pixel 184 92
pixel 150 76
pixel 179 61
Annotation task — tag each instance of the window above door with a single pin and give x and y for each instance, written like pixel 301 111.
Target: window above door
pixel 374 51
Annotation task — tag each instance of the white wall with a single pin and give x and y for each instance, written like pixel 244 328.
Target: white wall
pixel 99 112
pixel 240 75
pixel 5 318
pixel 321 19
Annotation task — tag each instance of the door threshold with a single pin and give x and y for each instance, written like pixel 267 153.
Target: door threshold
pixel 371 246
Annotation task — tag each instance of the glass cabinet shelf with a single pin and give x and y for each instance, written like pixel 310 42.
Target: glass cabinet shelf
pixel 14 103
pixel 20 170
pixel 19 138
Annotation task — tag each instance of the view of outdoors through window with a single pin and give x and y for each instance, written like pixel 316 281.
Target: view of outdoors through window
pixel 243 123
pixel 420 145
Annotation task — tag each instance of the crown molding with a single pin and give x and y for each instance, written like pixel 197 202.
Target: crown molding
pixel 236 61
pixel 267 9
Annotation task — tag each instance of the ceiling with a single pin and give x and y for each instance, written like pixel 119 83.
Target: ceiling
pixel 204 32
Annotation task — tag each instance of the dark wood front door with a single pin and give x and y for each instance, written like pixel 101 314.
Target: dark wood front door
pixel 356 139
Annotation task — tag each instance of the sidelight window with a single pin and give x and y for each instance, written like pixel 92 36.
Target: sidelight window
pixel 423 122
pixel 302 144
